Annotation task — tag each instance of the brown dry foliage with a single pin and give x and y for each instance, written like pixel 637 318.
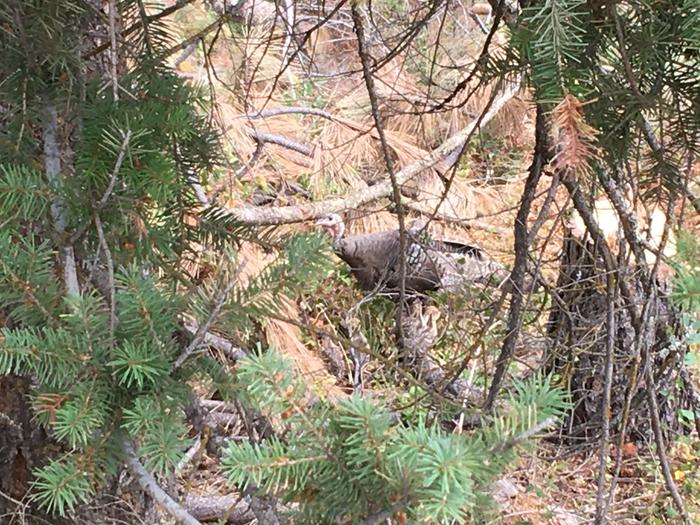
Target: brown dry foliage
pixel 575 140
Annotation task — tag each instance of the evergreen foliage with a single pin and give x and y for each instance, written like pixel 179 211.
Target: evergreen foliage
pixel 129 211
pixel 686 283
pixel 602 55
pixel 353 459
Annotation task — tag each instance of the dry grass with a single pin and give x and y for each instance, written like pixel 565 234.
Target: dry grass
pixel 285 337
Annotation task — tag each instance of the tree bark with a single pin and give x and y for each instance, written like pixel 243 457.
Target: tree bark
pixel 577 327
pixel 22 445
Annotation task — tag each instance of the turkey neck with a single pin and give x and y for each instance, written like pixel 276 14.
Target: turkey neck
pixel 338 231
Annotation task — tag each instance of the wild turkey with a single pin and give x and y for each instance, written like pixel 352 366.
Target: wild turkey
pixel 430 264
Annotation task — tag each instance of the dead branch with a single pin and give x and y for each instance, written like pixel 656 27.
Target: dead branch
pixel 520 438
pixel 109 261
pixel 467 222
pixel 520 265
pixel 288 111
pixel 114 52
pixel 52 165
pixel 651 392
pixel 217 342
pixel 191 453
pixel 201 332
pixel 278 140
pixel 601 500
pixel 150 486
pixel 314 210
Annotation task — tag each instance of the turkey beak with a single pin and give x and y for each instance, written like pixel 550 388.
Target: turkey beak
pixel 325 226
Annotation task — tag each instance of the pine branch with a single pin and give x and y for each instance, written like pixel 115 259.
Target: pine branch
pixel 110 187
pixel 151 487
pixel 179 4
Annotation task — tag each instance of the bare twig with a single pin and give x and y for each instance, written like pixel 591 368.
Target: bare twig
pixel 149 485
pixel 280 141
pixel 467 222
pixel 520 265
pixel 529 433
pixel 601 500
pixel 201 332
pixel 388 161
pixel 287 111
pixel 634 242
pixel 661 446
pixel 220 343
pixel 453 159
pixel 117 166
pixel 114 52
pixel 544 209
pixel 194 38
pixel 110 275
pixel 289 26
pixel 190 454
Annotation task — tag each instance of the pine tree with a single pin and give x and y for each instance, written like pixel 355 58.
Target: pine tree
pixel 109 209
pixel 355 460
pixel 616 86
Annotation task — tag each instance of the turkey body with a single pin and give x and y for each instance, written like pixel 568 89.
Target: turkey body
pixel 430 264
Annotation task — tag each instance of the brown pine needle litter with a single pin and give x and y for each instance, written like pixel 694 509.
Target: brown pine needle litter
pixel 574 140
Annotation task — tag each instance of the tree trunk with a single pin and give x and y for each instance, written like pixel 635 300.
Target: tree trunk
pixel 22 446
pixel 577 351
